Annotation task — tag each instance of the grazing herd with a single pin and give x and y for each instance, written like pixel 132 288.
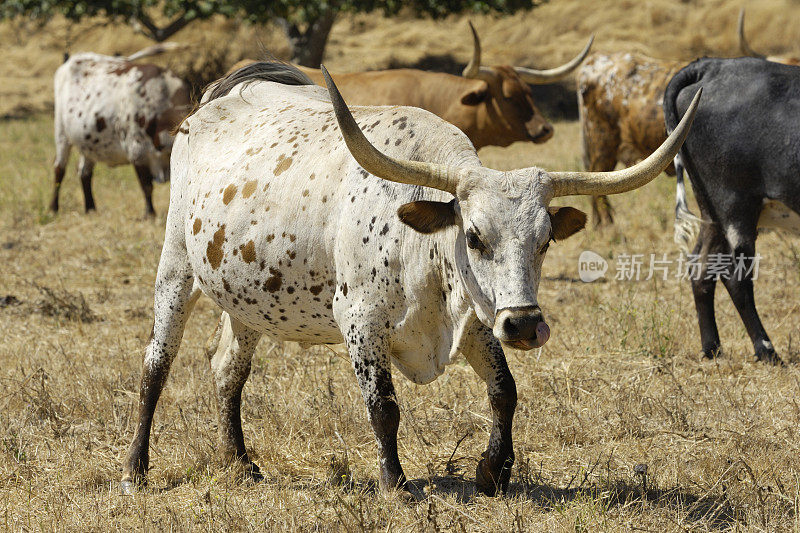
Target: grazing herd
pixel 305 219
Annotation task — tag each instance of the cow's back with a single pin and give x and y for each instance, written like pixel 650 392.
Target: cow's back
pixel 115 111
pixel 745 132
pixel 620 97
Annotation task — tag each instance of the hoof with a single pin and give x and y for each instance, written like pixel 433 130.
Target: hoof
pixel 712 353
pixel 484 481
pixel 255 473
pixel 769 357
pixel 487 483
pixel 128 487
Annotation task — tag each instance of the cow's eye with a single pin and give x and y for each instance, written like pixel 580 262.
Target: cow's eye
pixel 474 242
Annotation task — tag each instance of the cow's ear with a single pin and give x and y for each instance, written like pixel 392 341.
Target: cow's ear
pixel 475 97
pixel 566 221
pixel 428 217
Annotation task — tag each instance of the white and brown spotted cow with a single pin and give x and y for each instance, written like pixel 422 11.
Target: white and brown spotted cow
pixel 393 239
pixel 117 112
pixel 620 99
pixel 619 102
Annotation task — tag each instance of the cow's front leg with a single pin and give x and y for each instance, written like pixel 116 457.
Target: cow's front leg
pixel 485 355
pixel 230 355
pixel 368 349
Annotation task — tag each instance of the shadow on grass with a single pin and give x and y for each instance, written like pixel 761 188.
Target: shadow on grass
pixel 717 513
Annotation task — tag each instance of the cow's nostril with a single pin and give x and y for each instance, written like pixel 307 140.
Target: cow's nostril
pixel 510 329
pixel 521 327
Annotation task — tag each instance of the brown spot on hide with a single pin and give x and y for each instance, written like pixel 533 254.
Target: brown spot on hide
pixel 214 249
pixel 248 189
pixel 230 192
pixel 248 252
pixel 197 225
pixel 315 289
pixel 273 282
pixel 283 164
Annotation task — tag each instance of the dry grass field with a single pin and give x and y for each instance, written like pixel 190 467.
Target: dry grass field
pixel 619 384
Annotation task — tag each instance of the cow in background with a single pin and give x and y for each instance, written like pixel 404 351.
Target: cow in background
pixel 742 159
pixel 619 103
pixel 493 105
pixel 117 112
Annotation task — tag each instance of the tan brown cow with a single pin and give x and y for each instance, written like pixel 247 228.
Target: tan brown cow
pixel 746 50
pixel 493 105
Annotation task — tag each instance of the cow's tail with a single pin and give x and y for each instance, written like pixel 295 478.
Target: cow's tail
pixel 155 50
pixel 687 225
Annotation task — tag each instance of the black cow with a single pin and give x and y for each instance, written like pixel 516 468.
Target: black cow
pixel 743 160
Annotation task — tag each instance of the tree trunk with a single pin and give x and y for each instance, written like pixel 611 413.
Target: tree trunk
pixel 308 46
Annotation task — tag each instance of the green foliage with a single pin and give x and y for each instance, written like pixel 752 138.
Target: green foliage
pixel 307 23
pixel 301 11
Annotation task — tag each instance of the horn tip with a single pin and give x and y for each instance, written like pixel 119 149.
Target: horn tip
pixel 326 75
pixel 474 32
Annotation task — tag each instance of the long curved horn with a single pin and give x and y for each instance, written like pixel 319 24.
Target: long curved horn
pixel 619 181
pixel 474 69
pixel 379 164
pixel 744 46
pixel 538 77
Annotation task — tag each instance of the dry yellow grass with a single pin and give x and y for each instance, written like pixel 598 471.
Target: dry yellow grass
pixel 619 384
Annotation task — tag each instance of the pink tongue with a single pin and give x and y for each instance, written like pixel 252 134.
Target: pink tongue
pixel 542 333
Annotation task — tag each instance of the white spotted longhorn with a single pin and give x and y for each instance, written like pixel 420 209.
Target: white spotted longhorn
pixel 307 223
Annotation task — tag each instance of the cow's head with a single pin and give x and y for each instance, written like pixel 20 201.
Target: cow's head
pixel 501 101
pixel 504 219
pixel 161 127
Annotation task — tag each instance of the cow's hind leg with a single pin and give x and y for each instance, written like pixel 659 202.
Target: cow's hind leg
pixel 59 168
pixel 710 241
pixel 175 296
pixel 146 182
pixel 230 353
pixel 369 354
pixel 85 169
pixel 739 284
pixel 601 140
pixel 485 355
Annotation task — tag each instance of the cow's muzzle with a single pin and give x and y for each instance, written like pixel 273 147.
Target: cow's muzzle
pixel 522 328
pixel 544 134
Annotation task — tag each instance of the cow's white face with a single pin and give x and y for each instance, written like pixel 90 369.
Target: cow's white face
pixel 505 228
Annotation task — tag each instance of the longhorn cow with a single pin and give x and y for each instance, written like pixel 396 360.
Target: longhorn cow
pixel 377 227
